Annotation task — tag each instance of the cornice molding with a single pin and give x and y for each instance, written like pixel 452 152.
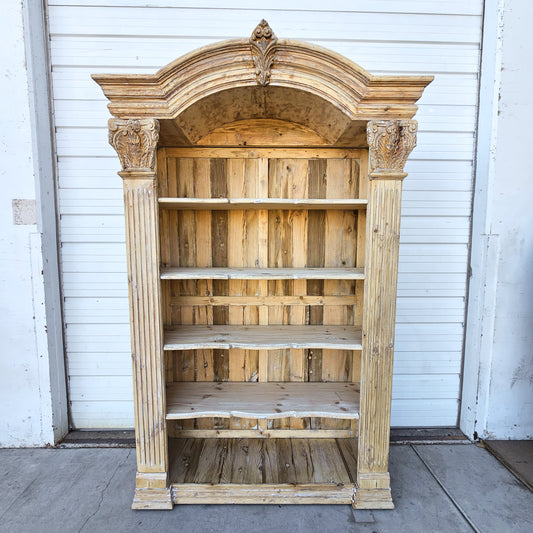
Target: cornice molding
pixel 231 64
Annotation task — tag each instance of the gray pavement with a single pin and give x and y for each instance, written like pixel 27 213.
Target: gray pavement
pixel 436 488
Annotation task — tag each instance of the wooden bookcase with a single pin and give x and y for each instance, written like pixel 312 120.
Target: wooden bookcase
pixel 262 183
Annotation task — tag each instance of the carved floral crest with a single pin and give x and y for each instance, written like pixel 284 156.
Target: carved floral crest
pixel 263 47
pixel 390 142
pixel 135 142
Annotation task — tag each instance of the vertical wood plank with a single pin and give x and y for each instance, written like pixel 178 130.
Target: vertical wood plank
pixel 219 240
pixel 362 172
pixel 262 261
pixel 339 252
pixel 165 259
pixel 280 177
pixel 299 223
pixel 242 248
pixel 317 179
pixel 202 189
pixel 246 462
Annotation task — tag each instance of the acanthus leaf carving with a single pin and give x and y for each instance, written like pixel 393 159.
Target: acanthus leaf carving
pixel 263 48
pixel 135 142
pixel 390 142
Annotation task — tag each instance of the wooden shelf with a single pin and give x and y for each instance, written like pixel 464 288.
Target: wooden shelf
pixel 262 400
pixel 262 337
pixel 261 273
pixel 262 471
pixel 261 203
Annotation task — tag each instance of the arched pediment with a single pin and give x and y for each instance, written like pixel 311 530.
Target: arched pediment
pixel 262 77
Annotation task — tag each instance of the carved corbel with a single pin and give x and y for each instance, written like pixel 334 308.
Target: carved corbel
pixel 263 48
pixel 390 142
pixel 135 142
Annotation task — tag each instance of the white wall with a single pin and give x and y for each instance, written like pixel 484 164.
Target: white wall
pixel 498 395
pixel 26 417
pixel 498 376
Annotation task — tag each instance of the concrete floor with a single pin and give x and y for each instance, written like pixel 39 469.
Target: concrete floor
pixel 436 488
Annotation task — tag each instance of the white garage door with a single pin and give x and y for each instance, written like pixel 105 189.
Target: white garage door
pixel 383 36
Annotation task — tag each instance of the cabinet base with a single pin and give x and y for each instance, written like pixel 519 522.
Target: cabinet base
pixel 261 494
pixel 162 499
pixel 150 498
pixel 373 499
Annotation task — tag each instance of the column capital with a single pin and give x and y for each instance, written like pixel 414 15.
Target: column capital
pixel 389 144
pixel 135 141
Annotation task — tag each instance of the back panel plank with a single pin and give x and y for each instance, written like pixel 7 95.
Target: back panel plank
pixel 238 240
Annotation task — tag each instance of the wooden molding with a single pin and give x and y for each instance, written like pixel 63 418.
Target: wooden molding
pixel 373 499
pixel 390 142
pixel 229 65
pixel 263 48
pixel 135 142
pixel 152 498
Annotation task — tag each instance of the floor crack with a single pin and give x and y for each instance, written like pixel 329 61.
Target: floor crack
pixel 102 492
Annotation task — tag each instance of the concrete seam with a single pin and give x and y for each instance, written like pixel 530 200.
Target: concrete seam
pixel 447 492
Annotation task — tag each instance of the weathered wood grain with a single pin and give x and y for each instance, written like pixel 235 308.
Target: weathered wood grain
pixel 261 471
pixel 188 400
pixel 225 204
pixel 260 273
pixel 135 142
pixel 270 337
pixel 390 143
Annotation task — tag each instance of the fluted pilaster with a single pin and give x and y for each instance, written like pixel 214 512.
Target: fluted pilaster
pixel 390 143
pixel 135 142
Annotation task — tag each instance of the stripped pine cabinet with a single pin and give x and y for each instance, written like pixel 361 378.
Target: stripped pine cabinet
pixel 262 188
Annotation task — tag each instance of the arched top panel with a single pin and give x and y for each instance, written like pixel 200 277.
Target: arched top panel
pixel 261 69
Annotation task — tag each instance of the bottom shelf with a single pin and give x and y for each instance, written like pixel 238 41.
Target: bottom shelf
pixel 262 470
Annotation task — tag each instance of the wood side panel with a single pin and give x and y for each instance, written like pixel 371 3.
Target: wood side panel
pixel 362 169
pixel 164 253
